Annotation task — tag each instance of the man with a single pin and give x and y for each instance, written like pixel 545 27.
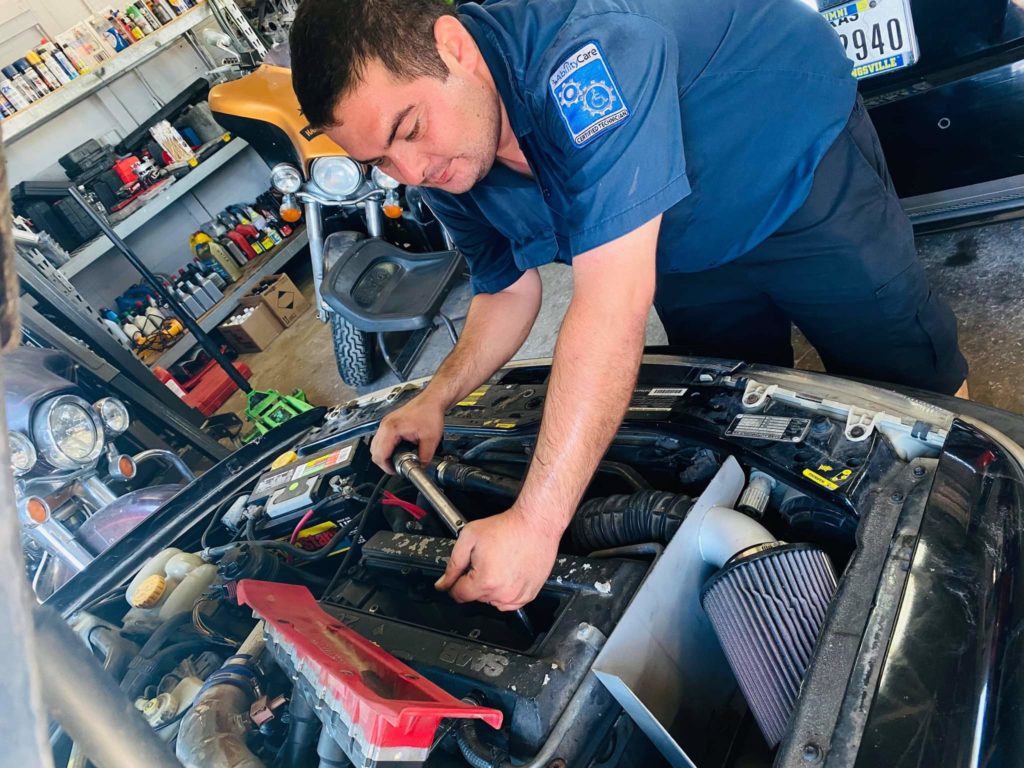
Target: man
pixel 710 157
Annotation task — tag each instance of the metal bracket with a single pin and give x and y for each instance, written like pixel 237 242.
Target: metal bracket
pixel 756 395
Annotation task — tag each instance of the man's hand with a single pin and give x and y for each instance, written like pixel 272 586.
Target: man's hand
pixel 503 560
pixel 420 421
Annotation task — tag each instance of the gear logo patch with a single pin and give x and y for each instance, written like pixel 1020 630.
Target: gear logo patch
pixel 587 96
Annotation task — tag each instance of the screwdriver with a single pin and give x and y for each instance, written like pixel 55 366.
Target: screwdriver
pixel 407 463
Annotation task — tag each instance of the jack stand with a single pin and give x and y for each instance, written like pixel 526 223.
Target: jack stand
pixel 268 408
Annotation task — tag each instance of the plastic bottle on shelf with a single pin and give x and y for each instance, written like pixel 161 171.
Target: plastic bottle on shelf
pixel 202 244
pixel 109 319
pixel 139 19
pixel 143 320
pixel 163 15
pixel 155 315
pixel 209 269
pixel 132 330
pixel 207 285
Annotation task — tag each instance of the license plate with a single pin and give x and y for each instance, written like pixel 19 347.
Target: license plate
pixel 878 35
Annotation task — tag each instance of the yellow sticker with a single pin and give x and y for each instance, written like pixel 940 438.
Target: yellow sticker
pixel 824 467
pixel 474 397
pixel 843 476
pixel 810 474
pixel 500 424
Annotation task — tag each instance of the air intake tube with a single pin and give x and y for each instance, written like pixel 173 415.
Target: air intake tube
pixel 615 521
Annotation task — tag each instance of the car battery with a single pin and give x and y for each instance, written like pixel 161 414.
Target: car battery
pixel 292 489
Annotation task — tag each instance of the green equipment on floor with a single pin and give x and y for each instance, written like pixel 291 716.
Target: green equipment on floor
pixel 268 408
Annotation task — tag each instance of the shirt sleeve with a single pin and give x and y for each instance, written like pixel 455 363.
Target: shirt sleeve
pixel 610 128
pixel 492 265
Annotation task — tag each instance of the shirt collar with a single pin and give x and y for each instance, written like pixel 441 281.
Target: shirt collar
pixel 494 45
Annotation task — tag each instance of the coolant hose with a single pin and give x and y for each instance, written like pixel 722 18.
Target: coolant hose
pixel 212 733
pixel 473 750
pixel 615 521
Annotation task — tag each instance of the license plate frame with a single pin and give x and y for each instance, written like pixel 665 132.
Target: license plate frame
pixel 881 30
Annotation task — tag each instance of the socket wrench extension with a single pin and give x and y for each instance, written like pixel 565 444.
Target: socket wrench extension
pixel 407 464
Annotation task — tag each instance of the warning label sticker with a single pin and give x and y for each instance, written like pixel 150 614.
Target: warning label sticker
pixel 778 428
pixel 659 399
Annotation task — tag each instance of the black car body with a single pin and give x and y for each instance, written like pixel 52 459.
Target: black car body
pixel 950 124
pixel 915 499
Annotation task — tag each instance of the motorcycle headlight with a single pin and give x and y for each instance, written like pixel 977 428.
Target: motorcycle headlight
pixel 68 432
pixel 285 178
pixel 382 180
pixel 337 176
pixel 23 453
pixel 113 414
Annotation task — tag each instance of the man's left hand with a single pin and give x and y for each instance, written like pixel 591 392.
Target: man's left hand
pixel 503 560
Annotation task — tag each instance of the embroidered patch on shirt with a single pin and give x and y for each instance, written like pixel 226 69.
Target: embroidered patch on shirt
pixel 587 96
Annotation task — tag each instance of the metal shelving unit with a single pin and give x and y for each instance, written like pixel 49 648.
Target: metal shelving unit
pixel 85 85
pixel 164 197
pixel 222 309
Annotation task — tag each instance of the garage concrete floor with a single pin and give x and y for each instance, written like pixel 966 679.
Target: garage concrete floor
pixel 977 270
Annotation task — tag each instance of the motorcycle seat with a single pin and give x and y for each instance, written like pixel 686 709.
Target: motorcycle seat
pixel 380 288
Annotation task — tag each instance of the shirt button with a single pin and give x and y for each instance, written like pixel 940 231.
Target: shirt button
pixel 547 193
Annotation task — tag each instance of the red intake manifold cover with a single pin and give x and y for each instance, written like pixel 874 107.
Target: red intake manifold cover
pixel 390 703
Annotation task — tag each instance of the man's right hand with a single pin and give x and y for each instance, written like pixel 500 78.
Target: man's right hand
pixel 420 421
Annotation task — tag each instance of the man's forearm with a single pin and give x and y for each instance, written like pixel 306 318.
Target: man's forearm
pixel 496 327
pixel 592 379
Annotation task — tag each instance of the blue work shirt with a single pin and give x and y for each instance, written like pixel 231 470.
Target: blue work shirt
pixel 714 114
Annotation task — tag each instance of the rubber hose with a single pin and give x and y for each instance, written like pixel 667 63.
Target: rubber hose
pixel 145 671
pixel 475 752
pixel 297 749
pixel 615 521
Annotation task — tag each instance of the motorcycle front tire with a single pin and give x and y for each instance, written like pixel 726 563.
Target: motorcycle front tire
pixel 353 352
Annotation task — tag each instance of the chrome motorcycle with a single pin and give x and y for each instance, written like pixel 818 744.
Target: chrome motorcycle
pixel 73 486
pixel 342 202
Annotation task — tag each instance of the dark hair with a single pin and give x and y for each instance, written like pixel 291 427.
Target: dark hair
pixel 332 40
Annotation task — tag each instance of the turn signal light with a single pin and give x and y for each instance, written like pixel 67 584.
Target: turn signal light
pixel 37 509
pixel 290 213
pixel 126 466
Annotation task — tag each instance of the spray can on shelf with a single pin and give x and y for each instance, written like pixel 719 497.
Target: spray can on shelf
pixel 54 76
pixel 51 80
pixel 30 76
pixel 12 93
pixel 19 83
pixel 58 56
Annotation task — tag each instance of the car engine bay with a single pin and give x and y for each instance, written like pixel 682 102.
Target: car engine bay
pixel 302 627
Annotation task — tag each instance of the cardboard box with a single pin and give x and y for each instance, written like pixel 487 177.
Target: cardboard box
pixel 257 331
pixel 281 296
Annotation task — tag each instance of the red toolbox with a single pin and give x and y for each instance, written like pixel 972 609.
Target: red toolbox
pixel 211 387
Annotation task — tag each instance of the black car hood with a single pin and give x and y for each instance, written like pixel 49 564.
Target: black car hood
pixel 30 376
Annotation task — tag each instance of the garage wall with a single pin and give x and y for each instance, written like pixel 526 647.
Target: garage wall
pixel 109 115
